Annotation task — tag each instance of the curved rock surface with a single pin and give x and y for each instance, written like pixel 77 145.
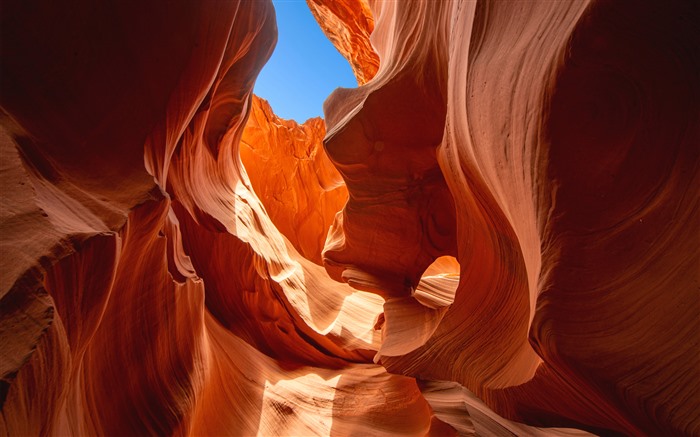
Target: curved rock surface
pixel 496 233
pixel 348 24
pixel 569 146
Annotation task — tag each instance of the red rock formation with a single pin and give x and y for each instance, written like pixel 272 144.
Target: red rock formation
pixel 520 220
pixel 133 303
pixel 348 24
pixel 390 171
pixel 569 146
pixel 290 172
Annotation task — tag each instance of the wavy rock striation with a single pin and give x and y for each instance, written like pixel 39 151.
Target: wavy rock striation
pixel 568 140
pixel 348 25
pixel 494 234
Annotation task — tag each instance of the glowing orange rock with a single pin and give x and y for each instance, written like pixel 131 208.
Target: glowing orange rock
pixel 135 242
pixel 295 180
pixel 520 209
pixel 348 24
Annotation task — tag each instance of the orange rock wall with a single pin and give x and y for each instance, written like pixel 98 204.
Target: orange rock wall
pixel 292 176
pixel 177 260
pixel 348 25
pixel 146 289
pixel 568 142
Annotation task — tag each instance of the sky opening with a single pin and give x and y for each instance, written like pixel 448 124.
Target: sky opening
pixel 304 68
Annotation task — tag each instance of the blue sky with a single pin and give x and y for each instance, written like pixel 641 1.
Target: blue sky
pixel 305 67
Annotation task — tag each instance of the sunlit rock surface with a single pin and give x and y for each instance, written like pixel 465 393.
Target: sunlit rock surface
pixel 348 24
pixel 495 234
pixel 293 177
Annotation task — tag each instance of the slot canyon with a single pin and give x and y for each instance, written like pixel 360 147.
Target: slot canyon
pixel 496 233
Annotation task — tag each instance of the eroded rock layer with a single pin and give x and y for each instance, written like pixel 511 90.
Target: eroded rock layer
pixel 348 24
pixel 496 233
pixel 570 147
pixel 293 177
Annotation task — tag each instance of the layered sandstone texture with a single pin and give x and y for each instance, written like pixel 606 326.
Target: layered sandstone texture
pixel 495 233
